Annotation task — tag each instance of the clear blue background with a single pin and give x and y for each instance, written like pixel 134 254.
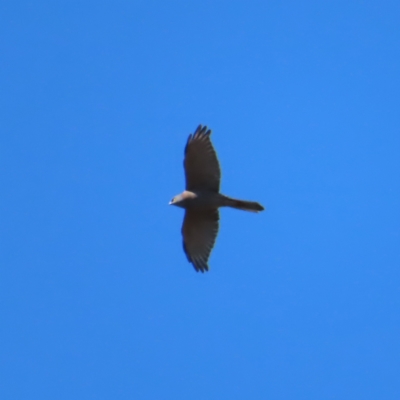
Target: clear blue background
pixel 97 300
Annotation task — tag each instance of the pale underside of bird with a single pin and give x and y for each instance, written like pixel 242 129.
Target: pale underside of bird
pixel 201 199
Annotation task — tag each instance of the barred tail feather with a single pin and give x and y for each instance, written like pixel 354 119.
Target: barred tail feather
pixel 245 205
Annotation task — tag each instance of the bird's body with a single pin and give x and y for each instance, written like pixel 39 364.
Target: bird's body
pixel 201 199
pixel 206 199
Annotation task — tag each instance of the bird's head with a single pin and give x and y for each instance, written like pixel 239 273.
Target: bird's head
pixel 181 200
pixel 176 200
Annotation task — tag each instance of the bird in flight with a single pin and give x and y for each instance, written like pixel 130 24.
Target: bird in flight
pixel 201 199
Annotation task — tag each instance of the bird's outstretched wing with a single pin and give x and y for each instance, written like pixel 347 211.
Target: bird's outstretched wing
pixel 199 231
pixel 202 171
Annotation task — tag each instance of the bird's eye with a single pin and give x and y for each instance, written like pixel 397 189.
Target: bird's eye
pixel 172 200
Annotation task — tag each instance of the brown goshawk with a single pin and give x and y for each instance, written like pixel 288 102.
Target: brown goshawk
pixel 201 199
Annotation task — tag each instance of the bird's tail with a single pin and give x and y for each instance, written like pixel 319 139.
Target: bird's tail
pixel 245 205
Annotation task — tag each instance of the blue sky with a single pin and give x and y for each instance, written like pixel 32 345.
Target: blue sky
pixel 97 300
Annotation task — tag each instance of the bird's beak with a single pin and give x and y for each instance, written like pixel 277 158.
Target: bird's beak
pixel 170 203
